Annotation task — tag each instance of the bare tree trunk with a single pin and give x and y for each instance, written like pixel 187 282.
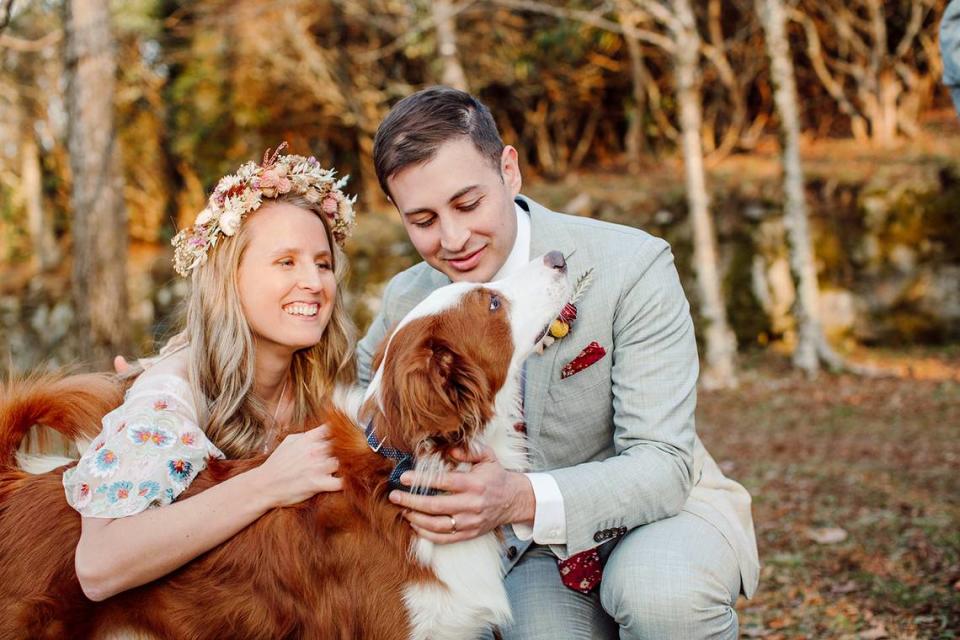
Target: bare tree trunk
pixel 888 92
pixel 721 343
pixel 100 222
pixel 586 140
pixel 453 75
pixel 634 137
pixel 811 342
pixel 39 221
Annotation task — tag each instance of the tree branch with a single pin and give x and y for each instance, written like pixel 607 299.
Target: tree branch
pixel 816 54
pixel 913 28
pixel 6 11
pixel 666 17
pixel 30 46
pixel 592 19
pixel 412 34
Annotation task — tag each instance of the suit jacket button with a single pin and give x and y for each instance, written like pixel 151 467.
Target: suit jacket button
pixel 622 531
pixel 598 536
pixel 511 552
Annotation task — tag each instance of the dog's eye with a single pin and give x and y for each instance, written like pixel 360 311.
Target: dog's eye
pixel 494 302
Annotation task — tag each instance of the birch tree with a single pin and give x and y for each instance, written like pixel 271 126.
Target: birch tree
pixel 99 216
pixel 445 19
pixel 721 343
pixel 811 345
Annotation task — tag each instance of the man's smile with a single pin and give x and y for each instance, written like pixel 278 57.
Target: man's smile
pixel 467 262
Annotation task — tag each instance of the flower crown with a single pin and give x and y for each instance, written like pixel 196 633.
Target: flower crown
pixel 243 192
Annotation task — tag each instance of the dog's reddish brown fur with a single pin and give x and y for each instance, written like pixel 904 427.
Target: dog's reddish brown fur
pixel 334 566
pixel 295 573
pixel 445 368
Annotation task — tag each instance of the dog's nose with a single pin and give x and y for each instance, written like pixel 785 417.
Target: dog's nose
pixel 555 260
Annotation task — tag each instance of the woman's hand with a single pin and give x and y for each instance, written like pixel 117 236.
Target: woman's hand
pixel 300 467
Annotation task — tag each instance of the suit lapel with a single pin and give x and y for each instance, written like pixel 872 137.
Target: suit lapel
pixel 542 369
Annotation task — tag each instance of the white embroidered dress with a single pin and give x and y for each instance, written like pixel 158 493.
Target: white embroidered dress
pixel 150 450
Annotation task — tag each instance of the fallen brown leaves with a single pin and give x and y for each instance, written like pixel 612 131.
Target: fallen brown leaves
pixel 856 485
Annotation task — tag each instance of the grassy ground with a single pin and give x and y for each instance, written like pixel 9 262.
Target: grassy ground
pixel 869 467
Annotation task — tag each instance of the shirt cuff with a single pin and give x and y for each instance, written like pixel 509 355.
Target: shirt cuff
pixel 549 519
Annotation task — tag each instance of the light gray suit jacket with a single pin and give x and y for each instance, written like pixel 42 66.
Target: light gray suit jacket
pixel 619 436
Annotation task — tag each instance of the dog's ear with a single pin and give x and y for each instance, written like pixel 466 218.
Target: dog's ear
pixel 465 388
pixel 431 389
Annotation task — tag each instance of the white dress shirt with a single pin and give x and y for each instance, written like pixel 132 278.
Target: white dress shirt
pixel 549 519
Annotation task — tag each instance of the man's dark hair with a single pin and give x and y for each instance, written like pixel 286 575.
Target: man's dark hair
pixel 417 126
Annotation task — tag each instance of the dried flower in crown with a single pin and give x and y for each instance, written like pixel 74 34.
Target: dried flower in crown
pixel 243 192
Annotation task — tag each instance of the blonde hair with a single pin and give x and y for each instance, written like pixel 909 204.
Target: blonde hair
pixel 221 363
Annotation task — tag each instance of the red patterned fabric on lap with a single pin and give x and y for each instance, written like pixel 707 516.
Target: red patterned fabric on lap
pixel 581 572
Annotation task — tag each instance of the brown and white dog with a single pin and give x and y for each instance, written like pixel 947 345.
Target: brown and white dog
pixel 339 565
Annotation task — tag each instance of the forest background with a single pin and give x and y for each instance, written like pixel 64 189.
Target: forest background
pixel 801 157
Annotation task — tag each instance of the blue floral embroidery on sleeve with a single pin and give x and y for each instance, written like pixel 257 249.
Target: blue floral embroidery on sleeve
pixel 104 463
pixel 154 436
pixel 117 491
pixel 149 451
pixel 179 470
pixel 148 489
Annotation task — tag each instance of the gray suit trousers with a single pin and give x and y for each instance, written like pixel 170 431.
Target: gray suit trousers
pixel 675 578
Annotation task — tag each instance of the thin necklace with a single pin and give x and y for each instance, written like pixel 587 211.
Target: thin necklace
pixel 276 412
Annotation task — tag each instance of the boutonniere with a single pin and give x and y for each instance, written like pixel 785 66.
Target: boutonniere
pixel 560 327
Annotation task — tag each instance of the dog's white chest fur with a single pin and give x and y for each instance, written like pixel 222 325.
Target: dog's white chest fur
pixel 471 595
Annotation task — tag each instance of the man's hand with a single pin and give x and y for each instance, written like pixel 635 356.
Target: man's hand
pixel 477 501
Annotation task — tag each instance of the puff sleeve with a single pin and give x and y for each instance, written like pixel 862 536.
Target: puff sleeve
pixel 150 450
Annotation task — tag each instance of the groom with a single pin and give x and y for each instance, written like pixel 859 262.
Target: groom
pixel 627 528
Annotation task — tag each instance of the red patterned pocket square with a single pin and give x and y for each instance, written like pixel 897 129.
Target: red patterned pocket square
pixel 590 354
